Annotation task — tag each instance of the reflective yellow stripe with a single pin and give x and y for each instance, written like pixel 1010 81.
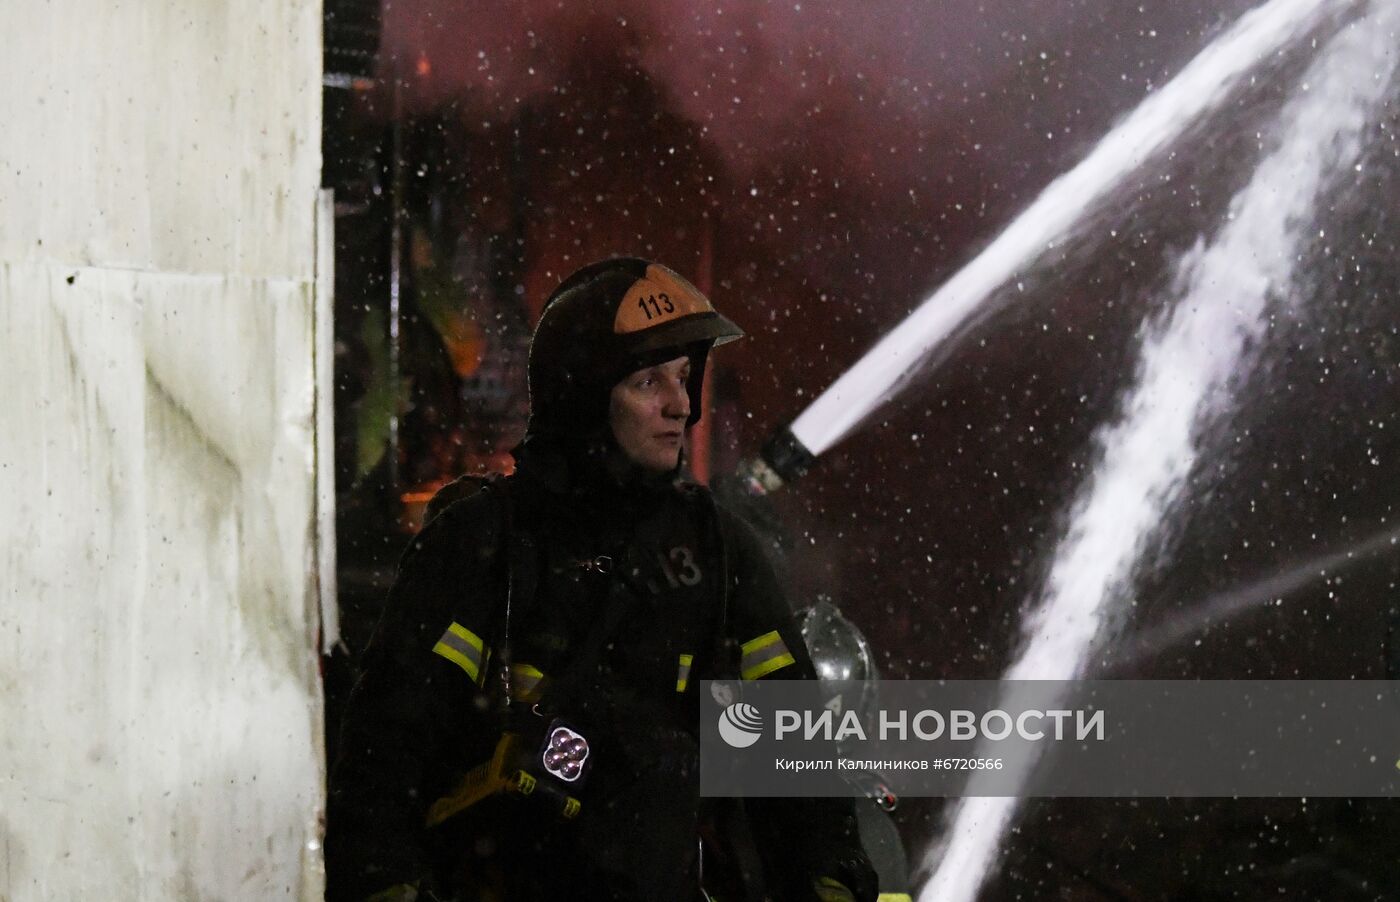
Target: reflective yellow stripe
pixel 462 647
pixel 760 643
pixel 525 682
pixel 523 783
pixel 683 672
pixel 895 897
pixel 832 890
pixel 456 657
pixel 763 655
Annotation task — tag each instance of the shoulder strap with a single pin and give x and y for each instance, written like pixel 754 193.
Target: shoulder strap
pixel 521 582
pixel 626 596
pixel 459 488
pixel 573 678
pixel 514 552
pixel 723 657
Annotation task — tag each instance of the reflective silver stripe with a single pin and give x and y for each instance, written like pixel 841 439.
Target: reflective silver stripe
pixel 462 647
pixel 452 640
pixel 764 655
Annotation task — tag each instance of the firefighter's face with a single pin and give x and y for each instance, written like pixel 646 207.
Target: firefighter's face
pixel 647 412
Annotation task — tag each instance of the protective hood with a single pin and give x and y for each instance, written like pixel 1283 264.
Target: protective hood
pixel 609 319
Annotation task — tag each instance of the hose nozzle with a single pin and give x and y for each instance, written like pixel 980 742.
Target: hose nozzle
pixel 782 460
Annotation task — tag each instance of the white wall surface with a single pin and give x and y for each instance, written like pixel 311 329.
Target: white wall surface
pixel 160 705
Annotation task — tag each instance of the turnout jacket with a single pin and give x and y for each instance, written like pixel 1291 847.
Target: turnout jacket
pixel 647 565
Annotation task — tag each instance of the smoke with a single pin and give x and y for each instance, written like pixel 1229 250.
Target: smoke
pixel 746 71
pixel 872 88
pixel 847 155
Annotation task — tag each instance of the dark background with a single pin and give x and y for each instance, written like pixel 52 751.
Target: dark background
pixel 819 171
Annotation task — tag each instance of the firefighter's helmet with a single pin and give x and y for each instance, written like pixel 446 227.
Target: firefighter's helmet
pixel 609 319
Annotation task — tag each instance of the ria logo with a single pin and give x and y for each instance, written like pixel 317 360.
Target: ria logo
pixel 740 725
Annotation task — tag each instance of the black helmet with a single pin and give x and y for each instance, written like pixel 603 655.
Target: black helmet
pixel 609 319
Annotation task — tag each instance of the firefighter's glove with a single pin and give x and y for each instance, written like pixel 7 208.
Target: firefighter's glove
pixel 402 892
pixel 829 889
pixel 848 879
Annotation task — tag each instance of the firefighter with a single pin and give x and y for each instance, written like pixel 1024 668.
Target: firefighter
pixel 526 724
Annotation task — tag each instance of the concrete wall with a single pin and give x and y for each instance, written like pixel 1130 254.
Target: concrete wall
pixel 160 702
